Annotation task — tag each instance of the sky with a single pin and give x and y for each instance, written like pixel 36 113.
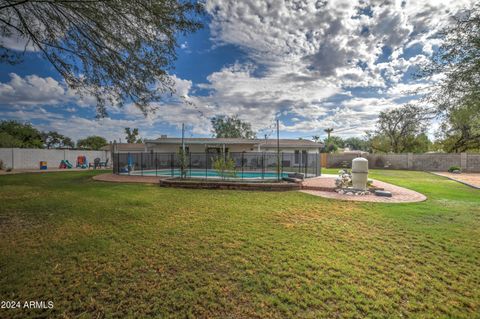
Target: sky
pixel 310 64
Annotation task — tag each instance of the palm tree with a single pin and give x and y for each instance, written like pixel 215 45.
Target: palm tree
pixel 328 131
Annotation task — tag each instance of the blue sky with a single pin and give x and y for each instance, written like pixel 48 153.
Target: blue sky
pixel 311 65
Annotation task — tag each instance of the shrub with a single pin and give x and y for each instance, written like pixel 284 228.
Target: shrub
pixel 2 166
pixel 225 166
pixel 454 168
pixel 182 156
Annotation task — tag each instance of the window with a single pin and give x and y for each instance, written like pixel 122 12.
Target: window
pixel 297 157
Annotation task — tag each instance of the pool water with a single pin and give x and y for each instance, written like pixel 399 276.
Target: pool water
pixel 210 173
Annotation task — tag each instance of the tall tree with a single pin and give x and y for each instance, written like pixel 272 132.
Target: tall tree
pixel 328 131
pixel 356 143
pixel 15 134
pixel 54 139
pixel 131 135
pixel 232 127
pixel 398 129
pixel 458 61
pixel 460 132
pixel 92 142
pixel 456 96
pixel 115 51
pixel 332 143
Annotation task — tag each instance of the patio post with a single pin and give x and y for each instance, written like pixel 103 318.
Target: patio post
pixel 282 164
pixel 129 163
pixel 242 162
pixel 278 152
pixel 306 164
pixel 263 165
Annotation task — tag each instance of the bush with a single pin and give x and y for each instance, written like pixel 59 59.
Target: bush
pixel 454 168
pixel 2 166
pixel 225 166
pixel 182 156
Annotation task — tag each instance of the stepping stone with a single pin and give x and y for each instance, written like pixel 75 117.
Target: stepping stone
pixel 383 193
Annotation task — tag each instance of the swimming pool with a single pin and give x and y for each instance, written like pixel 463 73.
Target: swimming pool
pixel 202 173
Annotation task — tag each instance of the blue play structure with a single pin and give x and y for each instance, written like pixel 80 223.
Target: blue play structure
pixel 65 164
pixel 129 167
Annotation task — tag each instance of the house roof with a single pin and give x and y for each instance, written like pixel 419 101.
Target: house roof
pixel 289 143
pixel 201 140
pixel 125 147
pixel 220 141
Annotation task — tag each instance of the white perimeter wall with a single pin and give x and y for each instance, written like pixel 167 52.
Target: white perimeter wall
pixel 29 158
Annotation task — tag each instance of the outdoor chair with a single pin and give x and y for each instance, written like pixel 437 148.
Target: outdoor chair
pixel 103 164
pixel 95 164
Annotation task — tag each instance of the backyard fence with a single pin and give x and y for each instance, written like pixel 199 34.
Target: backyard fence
pixel 244 165
pixel 29 158
pixel 417 162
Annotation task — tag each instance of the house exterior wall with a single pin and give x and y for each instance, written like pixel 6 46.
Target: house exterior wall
pixel 198 148
pixel 311 150
pixel 235 148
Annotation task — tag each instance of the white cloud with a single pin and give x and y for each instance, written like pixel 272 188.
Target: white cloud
pixel 34 90
pixel 312 50
pixel 307 60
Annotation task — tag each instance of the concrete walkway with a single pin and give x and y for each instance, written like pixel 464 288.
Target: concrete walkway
pixel 469 179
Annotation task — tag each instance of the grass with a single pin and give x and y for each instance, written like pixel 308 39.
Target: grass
pixel 123 250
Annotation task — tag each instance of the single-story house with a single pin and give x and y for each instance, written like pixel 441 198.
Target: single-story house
pixel 125 147
pixel 295 152
pixel 298 148
pixel 234 145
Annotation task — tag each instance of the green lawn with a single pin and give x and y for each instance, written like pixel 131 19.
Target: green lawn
pixel 119 250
